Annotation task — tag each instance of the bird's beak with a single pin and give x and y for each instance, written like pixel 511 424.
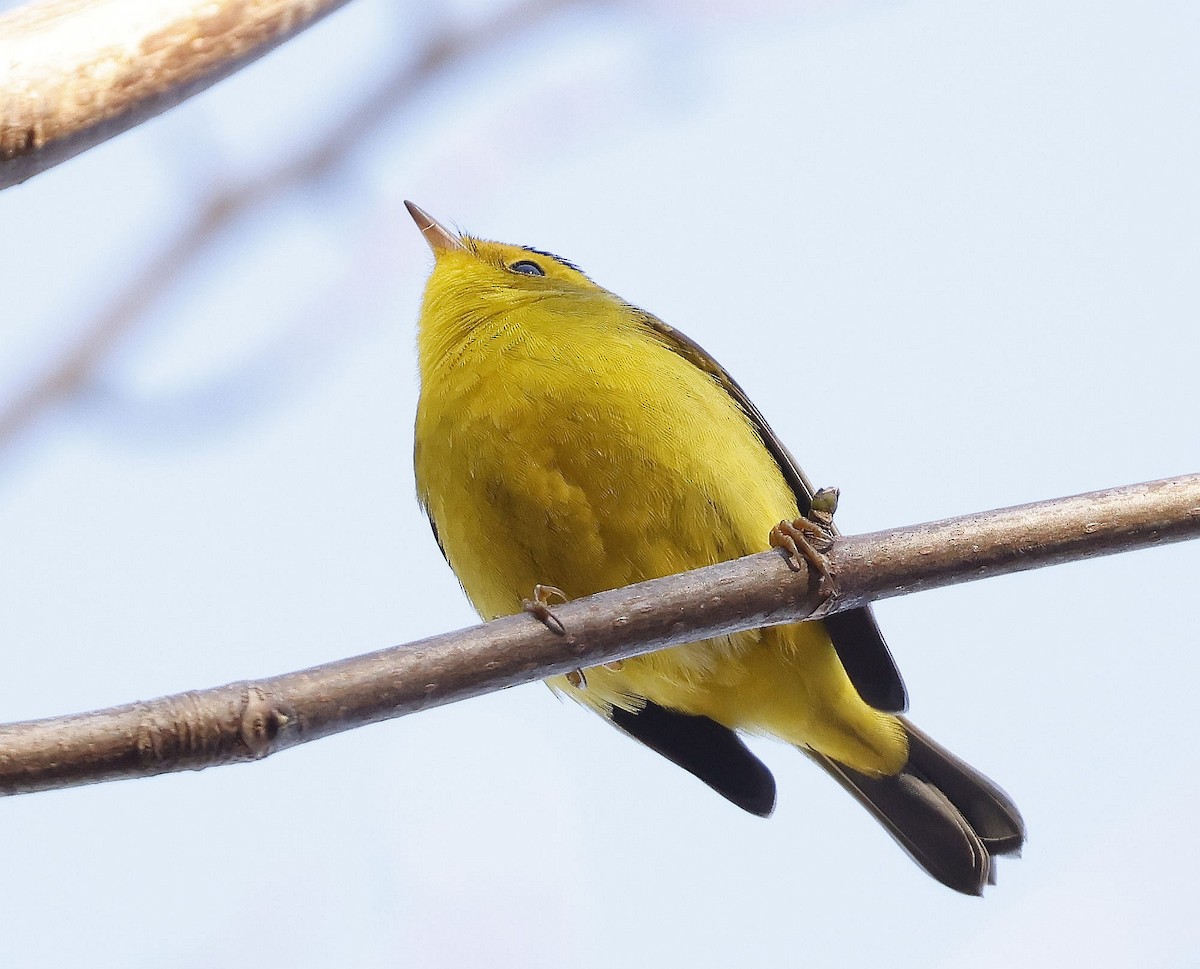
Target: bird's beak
pixel 440 238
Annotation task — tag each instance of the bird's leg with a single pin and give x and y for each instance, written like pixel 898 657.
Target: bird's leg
pixel 539 607
pixel 810 538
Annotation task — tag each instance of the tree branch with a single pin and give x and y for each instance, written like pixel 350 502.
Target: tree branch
pixel 251 719
pixel 80 71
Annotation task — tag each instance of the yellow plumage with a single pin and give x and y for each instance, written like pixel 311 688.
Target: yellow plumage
pixel 563 438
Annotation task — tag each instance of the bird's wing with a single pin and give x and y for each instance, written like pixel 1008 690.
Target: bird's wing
pixel 704 748
pixel 855 634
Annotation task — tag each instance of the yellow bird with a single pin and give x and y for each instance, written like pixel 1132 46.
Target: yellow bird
pixel 567 439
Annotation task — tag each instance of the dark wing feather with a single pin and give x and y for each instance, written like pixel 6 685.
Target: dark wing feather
pixel 703 747
pixel 856 636
pixel 436 537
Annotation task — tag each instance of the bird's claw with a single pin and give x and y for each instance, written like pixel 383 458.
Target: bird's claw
pixel 809 538
pixel 539 607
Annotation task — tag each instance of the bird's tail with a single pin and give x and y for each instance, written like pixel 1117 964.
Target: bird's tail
pixel 950 819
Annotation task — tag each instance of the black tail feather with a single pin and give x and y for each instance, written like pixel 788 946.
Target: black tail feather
pixel 988 810
pixel 947 816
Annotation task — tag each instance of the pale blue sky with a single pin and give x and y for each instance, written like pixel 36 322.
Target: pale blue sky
pixel 970 229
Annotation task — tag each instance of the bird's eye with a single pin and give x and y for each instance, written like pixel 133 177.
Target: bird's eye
pixel 526 267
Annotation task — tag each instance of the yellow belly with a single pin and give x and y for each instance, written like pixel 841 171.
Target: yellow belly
pixel 543 466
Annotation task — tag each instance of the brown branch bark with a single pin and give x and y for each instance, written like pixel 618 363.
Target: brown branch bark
pixel 80 71
pixel 249 720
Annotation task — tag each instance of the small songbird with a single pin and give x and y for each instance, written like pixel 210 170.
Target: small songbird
pixel 566 440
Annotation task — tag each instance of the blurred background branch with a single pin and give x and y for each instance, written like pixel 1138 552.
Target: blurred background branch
pixel 229 203
pixel 249 720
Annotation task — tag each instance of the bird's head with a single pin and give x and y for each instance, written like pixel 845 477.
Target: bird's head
pixel 475 282
pixel 477 265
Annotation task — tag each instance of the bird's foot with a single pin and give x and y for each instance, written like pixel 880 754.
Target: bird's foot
pixel 539 607
pixel 810 538
pixel 578 678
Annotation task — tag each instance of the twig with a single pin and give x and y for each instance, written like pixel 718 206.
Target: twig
pixel 80 71
pixel 251 719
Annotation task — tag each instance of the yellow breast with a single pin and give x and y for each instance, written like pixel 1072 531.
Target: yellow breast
pixel 563 442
